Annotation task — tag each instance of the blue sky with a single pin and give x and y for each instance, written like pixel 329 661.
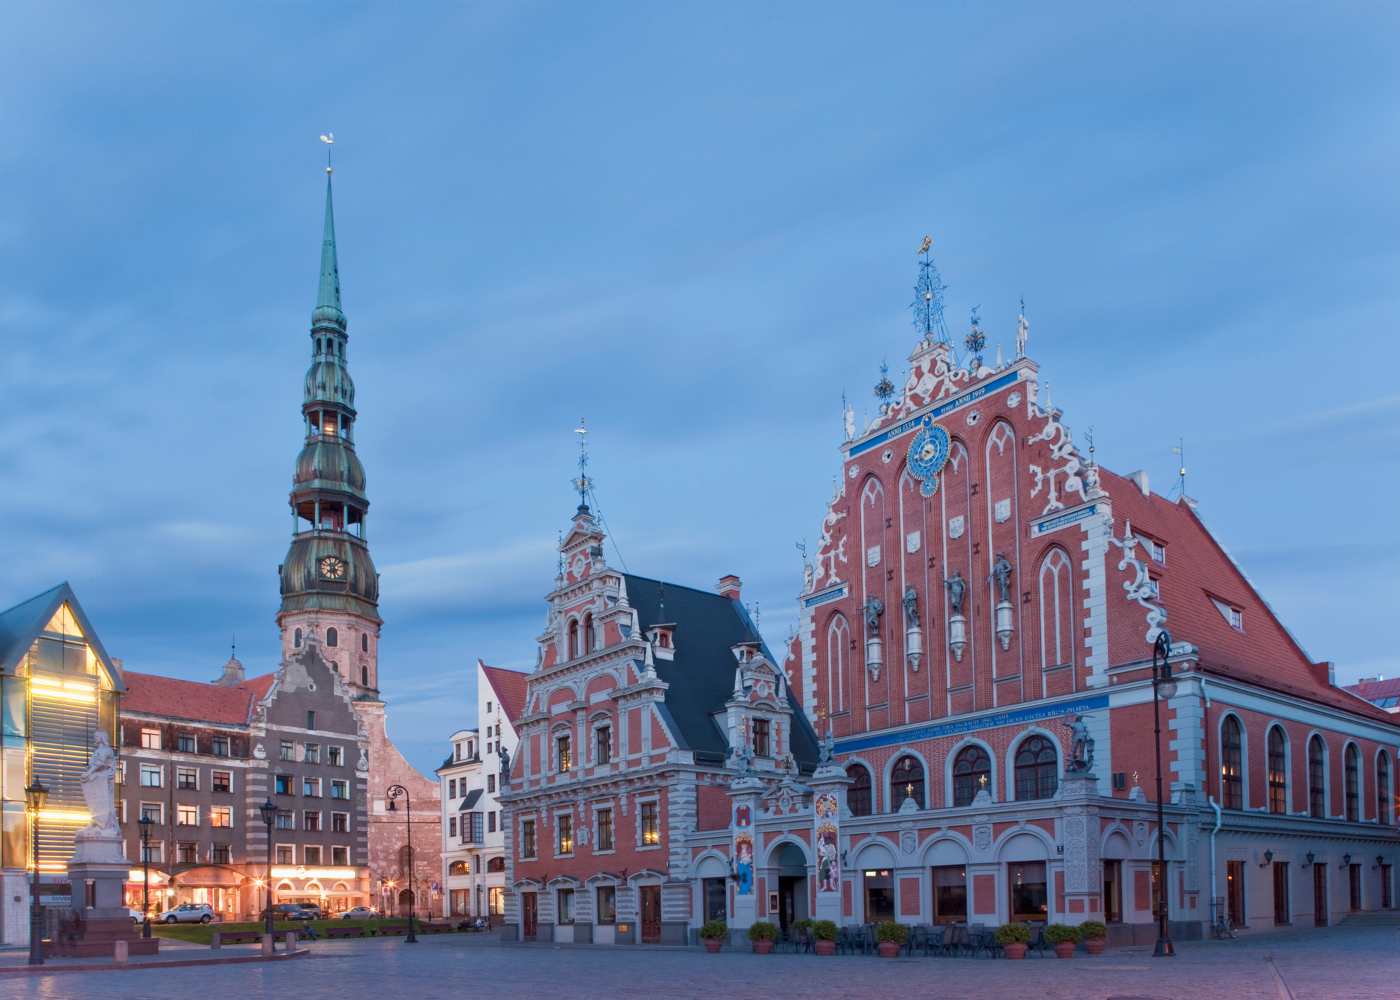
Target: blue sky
pixel 697 228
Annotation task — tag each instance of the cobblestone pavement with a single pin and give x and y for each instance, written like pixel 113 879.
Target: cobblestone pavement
pixel 1359 963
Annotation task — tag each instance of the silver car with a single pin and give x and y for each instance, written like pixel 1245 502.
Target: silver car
pixel 188 913
pixel 359 913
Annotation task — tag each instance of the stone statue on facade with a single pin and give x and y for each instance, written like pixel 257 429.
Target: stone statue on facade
pixel 1001 573
pixel 1081 751
pixel 873 609
pixel 99 789
pixel 911 606
pixel 957 592
pixel 503 755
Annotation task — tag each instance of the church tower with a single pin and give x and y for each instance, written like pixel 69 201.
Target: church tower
pixel 330 589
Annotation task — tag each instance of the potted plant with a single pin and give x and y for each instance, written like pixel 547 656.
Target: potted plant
pixel 1013 939
pixel 713 934
pixel 1095 936
pixel 1064 937
pixel 824 931
pixel 762 935
pixel 891 937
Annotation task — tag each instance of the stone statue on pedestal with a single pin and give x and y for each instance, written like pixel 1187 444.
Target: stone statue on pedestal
pixel 99 790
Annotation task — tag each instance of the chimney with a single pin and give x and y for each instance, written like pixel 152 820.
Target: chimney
pixel 1139 479
pixel 728 586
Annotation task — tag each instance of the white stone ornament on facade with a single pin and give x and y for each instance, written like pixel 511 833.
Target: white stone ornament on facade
pixel 1062 450
pixel 259 752
pixel 956 526
pixel 912 542
pixel 1002 510
pixel 1140 588
pixel 1013 400
pixel 872 556
pixel 973 417
pixel 887 456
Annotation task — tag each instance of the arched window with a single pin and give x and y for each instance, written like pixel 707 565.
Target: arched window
pixel 573 639
pixel 907 782
pixel 858 792
pixel 496 864
pixel 1278 771
pixel 296 638
pixel 838 641
pixel 1383 787
pixel 459 868
pixel 590 641
pixel 972 771
pixel 332 636
pixel 1037 771
pixel 1231 764
pixel 364 642
pixel 1352 762
pixel 364 676
pixel 1317 795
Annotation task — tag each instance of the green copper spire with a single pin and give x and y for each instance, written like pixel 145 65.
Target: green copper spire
pixel 328 294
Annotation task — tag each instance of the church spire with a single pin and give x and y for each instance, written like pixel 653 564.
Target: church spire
pixel 328 293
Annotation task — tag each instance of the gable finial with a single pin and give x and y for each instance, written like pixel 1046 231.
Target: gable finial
pixel 1023 330
pixel 328 137
pixel 927 306
pixel 975 341
pixel 1180 452
pixel 582 483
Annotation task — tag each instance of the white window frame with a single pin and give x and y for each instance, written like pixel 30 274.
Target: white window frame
pixel 217 811
pixel 155 769
pixel 180 809
pixel 654 800
pixel 347 822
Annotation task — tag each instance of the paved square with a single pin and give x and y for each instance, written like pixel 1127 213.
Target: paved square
pixel 1357 963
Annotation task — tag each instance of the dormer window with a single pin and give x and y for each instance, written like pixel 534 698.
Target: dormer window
pixel 1232 614
pixel 761 744
pixel 1157 550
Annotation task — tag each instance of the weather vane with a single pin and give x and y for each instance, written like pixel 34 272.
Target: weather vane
pixel 1180 452
pixel 975 341
pixel 884 389
pixel 582 483
pixel 928 297
pixel 329 139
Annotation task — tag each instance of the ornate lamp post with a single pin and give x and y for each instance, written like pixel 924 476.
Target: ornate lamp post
pixel 269 813
pixel 1163 686
pixel 396 792
pixel 35 796
pixel 145 824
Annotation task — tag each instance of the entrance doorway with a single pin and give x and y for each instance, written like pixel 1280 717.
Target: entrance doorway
pixel 651 913
pixel 1113 892
pixel 1319 895
pixel 1234 892
pixel 1354 878
pixel 789 865
pixel 950 894
pixel 1281 908
pixel 879 895
pixel 530 910
pixel 1386 901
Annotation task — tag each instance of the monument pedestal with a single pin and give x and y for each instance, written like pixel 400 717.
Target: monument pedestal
pixel 1079 833
pixel 99 917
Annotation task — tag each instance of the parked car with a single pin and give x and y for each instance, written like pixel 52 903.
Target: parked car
pixel 360 913
pixel 188 913
pixel 314 909
pixel 137 916
pixel 288 911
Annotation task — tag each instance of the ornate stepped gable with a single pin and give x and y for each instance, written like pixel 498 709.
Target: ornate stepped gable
pixel 973 557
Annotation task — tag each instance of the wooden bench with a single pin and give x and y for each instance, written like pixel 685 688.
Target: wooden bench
pixel 435 928
pixel 222 938
pixel 344 932
pixel 384 930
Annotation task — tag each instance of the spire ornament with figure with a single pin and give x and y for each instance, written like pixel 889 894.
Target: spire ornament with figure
pixel 927 306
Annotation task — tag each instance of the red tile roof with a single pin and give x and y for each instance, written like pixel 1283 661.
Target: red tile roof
pixel 152 694
pixel 509 686
pixel 1198 570
pixel 1376 688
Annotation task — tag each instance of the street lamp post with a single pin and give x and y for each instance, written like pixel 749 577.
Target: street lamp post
pixel 35 796
pixel 1163 686
pixel 145 823
pixel 269 813
pixel 396 792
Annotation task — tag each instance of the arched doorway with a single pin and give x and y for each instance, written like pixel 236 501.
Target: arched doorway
pixel 788 866
pixel 405 901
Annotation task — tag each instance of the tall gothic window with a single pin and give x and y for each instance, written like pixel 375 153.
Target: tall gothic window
pixel 1383 787
pixel 1231 764
pixel 1352 762
pixel 1036 769
pixel 972 771
pixel 573 639
pixel 907 782
pixel 1317 793
pixel 1278 771
pixel 858 792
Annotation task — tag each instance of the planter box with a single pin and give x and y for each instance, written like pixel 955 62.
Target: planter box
pixel 825 947
pixel 1065 949
pixel 1094 946
pixel 1015 950
pixel 888 949
pixel 762 947
pixel 712 945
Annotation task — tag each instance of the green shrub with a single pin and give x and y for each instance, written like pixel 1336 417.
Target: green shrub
pixel 1092 929
pixel 1013 934
pixel 714 930
pixel 888 930
pixel 763 931
pixel 1062 934
pixel 805 924
pixel 824 930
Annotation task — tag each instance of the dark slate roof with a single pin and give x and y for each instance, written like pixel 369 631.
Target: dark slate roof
pixel 701 676
pixel 21 625
pixel 470 800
